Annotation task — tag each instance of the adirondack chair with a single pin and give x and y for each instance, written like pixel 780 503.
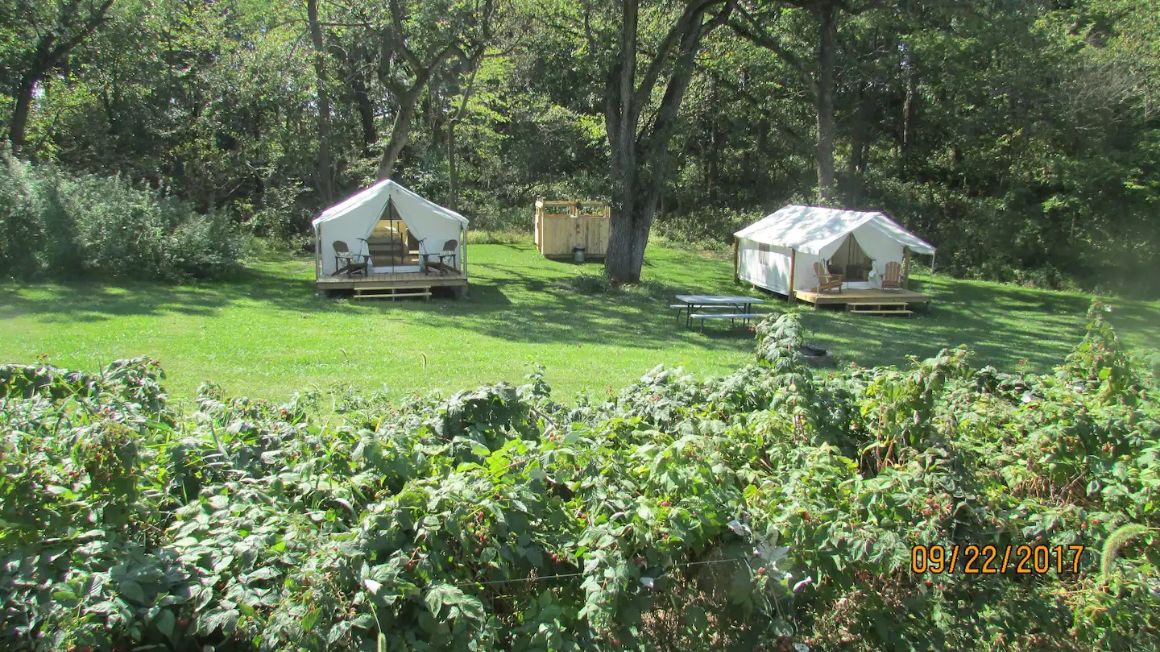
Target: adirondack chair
pixel 826 279
pixel 892 278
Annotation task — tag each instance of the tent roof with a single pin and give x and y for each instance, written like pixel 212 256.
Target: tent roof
pixel 378 194
pixel 810 228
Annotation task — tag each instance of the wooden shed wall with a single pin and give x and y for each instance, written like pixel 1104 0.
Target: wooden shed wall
pixel 563 225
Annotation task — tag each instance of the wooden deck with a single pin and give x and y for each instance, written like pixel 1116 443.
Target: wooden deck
pixel 392 285
pixel 870 297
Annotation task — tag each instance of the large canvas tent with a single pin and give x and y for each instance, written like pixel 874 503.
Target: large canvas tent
pixel 385 214
pixel 779 251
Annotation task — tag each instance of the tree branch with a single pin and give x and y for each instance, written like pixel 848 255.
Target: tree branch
pixel 679 29
pixel 755 33
pixel 397 19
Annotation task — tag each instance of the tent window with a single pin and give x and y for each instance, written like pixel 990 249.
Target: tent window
pixel 763 247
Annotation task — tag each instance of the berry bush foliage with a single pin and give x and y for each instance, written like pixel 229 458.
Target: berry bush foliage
pixel 774 509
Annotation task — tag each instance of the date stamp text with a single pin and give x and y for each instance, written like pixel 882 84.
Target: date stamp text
pixel 995 560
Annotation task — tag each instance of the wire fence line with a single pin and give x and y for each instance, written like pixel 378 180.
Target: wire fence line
pixel 544 578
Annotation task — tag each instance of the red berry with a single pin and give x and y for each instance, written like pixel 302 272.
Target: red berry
pixel 761 570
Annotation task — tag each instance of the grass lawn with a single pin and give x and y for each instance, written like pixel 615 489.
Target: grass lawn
pixel 268 335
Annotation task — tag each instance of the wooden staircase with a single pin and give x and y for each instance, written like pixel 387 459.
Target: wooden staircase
pixel 880 308
pixel 391 292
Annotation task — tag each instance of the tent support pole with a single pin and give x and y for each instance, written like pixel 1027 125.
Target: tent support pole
pixel 736 278
pixel 792 270
pixel 905 268
pixel 319 264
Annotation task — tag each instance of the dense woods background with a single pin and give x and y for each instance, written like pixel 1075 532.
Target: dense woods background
pixel 1022 138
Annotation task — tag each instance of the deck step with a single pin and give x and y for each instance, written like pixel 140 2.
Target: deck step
pixel 391 293
pixel 883 308
pixel 883 312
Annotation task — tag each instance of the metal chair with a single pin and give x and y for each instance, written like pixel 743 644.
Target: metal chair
pixel 347 262
pixel 450 251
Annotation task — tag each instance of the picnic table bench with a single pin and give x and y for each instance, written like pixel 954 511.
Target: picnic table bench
pixel 704 306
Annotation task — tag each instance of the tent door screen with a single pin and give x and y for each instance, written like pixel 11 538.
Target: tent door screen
pixel 391 243
pixel 850 260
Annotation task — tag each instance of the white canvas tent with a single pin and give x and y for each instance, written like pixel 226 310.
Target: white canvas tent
pixel 353 220
pixel 780 250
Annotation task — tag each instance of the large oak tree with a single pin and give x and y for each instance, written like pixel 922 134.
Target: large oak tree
pixel 644 86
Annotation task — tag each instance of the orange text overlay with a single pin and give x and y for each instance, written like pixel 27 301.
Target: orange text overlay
pixel 995 560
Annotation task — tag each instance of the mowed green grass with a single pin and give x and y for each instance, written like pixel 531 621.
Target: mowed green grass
pixel 268 335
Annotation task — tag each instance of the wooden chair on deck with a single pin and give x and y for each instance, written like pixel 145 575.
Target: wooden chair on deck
pixel 826 279
pixel 892 278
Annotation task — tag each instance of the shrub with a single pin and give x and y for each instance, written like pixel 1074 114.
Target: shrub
pixel 21 227
pixel 704 228
pixel 58 225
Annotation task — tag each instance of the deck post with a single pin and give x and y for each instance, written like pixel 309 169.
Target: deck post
pixel 736 277
pixel 905 268
pixel 792 271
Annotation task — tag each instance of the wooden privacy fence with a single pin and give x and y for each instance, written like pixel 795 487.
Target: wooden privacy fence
pixel 563 226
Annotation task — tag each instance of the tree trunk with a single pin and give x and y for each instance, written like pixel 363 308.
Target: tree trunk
pixel 452 169
pixel 324 172
pixel 16 130
pixel 856 164
pixel 639 161
pixel 620 123
pixel 401 129
pixel 908 111
pixel 366 114
pixel 825 101
pixel 628 238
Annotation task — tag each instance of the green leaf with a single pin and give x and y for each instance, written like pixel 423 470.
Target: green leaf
pixel 437 596
pixel 64 595
pixel 166 623
pixel 310 619
pixel 132 591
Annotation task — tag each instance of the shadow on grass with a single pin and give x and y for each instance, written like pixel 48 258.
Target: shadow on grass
pixel 1009 327
pixel 514 296
pixel 523 307
pixel 517 296
pixel 94 301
